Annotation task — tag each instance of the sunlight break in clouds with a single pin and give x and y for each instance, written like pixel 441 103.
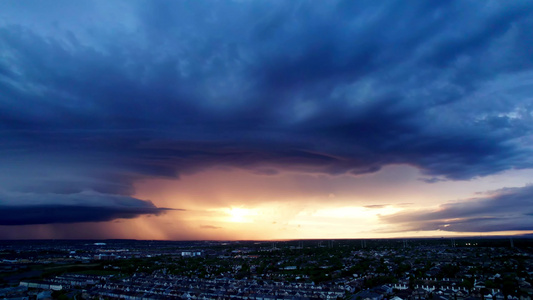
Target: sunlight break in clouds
pixel 263 119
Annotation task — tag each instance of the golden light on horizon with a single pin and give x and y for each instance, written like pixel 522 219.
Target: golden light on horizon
pixel 240 215
pixel 237 204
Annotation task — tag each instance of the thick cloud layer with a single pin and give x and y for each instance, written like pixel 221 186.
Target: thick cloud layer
pixel 509 209
pixel 26 209
pixel 113 93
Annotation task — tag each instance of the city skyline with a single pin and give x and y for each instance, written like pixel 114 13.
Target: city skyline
pixel 260 120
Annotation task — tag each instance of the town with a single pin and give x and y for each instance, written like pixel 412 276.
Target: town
pixel 395 269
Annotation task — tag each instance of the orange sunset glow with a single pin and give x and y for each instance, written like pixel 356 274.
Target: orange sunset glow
pixel 265 120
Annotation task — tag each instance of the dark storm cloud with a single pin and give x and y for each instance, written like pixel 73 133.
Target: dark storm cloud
pixel 503 210
pixel 157 89
pixel 50 214
pixel 26 209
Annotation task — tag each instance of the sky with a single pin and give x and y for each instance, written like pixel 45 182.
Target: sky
pixel 241 119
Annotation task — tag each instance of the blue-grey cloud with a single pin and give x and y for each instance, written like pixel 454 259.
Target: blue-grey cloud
pixel 503 210
pixel 31 208
pixel 52 214
pixel 130 90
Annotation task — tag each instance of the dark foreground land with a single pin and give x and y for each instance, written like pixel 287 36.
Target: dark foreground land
pixel 439 269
